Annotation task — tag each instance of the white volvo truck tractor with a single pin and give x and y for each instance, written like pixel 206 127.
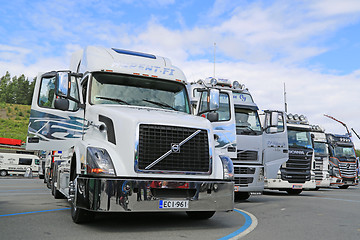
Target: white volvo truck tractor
pixel 124 121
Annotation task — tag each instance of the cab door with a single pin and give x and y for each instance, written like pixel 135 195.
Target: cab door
pixel 224 124
pixel 57 116
pixel 275 142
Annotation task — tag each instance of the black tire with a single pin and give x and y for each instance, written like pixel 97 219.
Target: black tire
pixel 79 215
pixel 344 187
pixel 48 183
pixel 241 196
pixel 294 191
pixel 56 193
pixel 41 176
pixel 3 173
pixel 200 215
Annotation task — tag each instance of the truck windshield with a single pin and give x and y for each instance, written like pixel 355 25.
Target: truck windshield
pixel 110 88
pixel 320 147
pixel 299 139
pixel 344 152
pixel 247 122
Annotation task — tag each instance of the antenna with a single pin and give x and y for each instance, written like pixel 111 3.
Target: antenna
pixel 355 133
pixel 349 133
pixel 214 57
pixel 285 99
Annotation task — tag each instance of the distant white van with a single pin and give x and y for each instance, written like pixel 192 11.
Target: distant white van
pixel 13 163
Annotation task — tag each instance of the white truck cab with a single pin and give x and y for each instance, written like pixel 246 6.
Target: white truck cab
pixel 124 118
pixel 240 134
pixel 296 173
pixel 321 149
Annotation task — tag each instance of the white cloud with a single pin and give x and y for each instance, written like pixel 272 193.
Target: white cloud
pixel 334 7
pixel 262 45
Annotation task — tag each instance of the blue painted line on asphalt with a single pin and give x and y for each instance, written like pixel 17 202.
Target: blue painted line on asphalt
pixel 51 210
pixel 247 224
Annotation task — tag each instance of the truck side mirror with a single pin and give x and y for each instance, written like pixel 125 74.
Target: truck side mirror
pixel 214 99
pixel 213 116
pixel 61 103
pixel 62 84
pixel 274 119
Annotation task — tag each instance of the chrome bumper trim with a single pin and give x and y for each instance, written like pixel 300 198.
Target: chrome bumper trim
pixel 137 195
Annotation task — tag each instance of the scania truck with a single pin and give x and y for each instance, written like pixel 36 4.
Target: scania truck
pixel 124 121
pixel 296 173
pixel 240 134
pixel 343 162
pixel 321 166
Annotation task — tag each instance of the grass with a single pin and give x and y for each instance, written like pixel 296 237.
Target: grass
pixel 13 121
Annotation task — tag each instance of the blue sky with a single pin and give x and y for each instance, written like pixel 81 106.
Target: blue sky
pixel 312 46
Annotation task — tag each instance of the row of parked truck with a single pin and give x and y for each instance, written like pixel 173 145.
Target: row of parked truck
pixel 125 131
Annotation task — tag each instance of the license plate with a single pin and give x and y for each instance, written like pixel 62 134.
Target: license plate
pixel 297 186
pixel 173 204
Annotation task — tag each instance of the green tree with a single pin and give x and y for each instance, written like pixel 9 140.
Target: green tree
pixel 16 90
pixel 4 83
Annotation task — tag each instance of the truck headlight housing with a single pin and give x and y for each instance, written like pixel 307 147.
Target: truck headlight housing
pixel 336 171
pixel 228 167
pixel 98 162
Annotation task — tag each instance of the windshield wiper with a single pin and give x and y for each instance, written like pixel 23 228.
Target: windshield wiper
pixel 114 99
pixel 160 104
pixel 249 130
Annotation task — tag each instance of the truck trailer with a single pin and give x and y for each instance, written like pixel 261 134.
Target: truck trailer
pixel 123 119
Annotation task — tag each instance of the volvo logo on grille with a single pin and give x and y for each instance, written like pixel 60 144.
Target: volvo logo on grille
pixel 175 148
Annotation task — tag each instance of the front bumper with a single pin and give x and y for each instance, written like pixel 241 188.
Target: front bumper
pixel 323 183
pixel 334 181
pixel 281 184
pixel 143 195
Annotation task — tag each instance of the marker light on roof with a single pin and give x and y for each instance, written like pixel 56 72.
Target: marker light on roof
pixel 213 81
pixel 296 117
pixel 302 117
pixel 236 85
pixel 290 116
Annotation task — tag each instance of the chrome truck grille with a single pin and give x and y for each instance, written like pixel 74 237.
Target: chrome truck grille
pixel 246 156
pixel 347 170
pixel 298 166
pixel 319 175
pixel 243 180
pixel 173 148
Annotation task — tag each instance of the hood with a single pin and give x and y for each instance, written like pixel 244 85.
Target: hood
pixel 137 115
pixel 123 134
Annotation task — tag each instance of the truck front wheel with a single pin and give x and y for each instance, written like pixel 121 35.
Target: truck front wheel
pixel 79 215
pixel 294 191
pixel 200 215
pixel 3 173
pixel 344 187
pixel 241 196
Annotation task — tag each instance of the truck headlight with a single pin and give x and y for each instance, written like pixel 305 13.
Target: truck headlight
pixel 335 171
pixel 228 167
pixel 98 161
